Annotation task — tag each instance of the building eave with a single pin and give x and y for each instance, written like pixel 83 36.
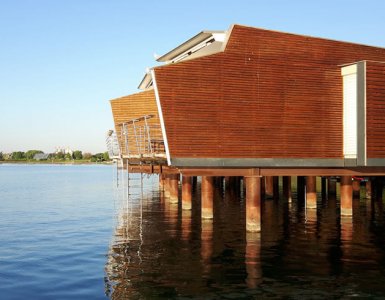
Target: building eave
pixel 195 40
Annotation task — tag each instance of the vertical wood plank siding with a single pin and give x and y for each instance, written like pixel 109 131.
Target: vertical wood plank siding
pixel 375 109
pixel 268 95
pixel 131 107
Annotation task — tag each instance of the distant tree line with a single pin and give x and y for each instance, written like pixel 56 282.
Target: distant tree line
pixel 77 155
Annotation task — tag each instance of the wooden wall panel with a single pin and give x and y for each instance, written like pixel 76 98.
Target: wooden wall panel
pixel 131 107
pixel 375 109
pixel 269 95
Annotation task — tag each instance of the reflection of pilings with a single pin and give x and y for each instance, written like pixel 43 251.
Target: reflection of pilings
pixel 186 224
pixel 253 204
pixel 171 215
pixel 206 245
pixel 207 195
pixel 253 259
pixel 346 192
pixel 346 234
pixel 311 220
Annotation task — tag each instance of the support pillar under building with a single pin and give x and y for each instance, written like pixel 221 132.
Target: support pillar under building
pixel 207 191
pixel 346 191
pixel 323 188
pixel 174 188
pixel 331 186
pixel 368 188
pixel 186 192
pixel 253 204
pixel 300 189
pixel 286 185
pixel 161 182
pixel 166 186
pixel 311 192
pixel 356 185
pixel 269 186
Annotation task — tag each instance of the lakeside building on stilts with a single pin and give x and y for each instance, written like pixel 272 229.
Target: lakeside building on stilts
pixel 258 106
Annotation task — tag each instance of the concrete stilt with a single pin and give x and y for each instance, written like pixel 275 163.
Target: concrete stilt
pixel 377 187
pixel 311 192
pixel 253 204
pixel 166 185
pixel 286 185
pixel 356 188
pixel 263 187
pixel 186 192
pixel 368 187
pixel 346 196
pixel 300 189
pixel 194 183
pixel 331 186
pixel 276 187
pixel 269 186
pixel 174 188
pixel 161 182
pixel 207 191
pixel 323 188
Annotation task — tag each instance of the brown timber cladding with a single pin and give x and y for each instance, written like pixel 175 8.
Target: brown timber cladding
pixel 375 109
pixel 268 95
pixel 131 107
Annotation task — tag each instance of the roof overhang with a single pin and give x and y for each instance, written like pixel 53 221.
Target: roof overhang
pixel 192 45
pixel 146 81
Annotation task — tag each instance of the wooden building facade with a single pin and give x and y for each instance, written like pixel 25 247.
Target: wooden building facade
pixel 264 98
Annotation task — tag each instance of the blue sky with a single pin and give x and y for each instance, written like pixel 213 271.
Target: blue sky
pixel 62 61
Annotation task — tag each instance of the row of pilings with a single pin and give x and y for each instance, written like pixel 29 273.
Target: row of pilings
pixel 257 188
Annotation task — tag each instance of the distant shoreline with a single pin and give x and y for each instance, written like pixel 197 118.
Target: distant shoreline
pixel 49 162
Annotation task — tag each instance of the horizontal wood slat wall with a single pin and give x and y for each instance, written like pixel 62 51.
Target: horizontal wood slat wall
pixel 375 109
pixel 268 95
pixel 131 107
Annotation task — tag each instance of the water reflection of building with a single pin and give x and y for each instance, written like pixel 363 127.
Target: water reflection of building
pixel 159 248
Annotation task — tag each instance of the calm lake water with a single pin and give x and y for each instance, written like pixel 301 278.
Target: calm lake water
pixel 76 232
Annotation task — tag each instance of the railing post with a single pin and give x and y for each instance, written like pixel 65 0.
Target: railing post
pixel 136 137
pixel 148 134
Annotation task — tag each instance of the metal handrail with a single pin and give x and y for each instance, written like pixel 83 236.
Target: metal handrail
pixel 146 139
